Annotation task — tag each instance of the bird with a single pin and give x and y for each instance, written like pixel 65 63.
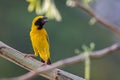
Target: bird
pixel 39 40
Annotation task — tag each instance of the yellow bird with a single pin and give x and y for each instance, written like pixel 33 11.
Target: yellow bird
pixel 39 39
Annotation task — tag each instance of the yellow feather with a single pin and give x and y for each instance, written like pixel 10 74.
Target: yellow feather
pixel 39 41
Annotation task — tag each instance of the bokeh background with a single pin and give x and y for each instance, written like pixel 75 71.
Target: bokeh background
pixel 65 36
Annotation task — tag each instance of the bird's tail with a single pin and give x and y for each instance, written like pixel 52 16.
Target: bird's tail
pixel 48 62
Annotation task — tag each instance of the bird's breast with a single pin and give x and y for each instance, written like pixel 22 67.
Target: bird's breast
pixel 39 39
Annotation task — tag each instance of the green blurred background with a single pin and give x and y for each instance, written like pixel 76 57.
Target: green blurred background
pixel 65 36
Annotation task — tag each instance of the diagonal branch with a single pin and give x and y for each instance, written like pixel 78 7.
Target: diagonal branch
pixel 75 59
pixel 68 61
pixel 32 64
pixel 94 55
pixel 99 19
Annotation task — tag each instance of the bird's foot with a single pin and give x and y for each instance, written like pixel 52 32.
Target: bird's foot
pixel 44 64
pixel 29 55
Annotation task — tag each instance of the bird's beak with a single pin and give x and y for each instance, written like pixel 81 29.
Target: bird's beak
pixel 45 19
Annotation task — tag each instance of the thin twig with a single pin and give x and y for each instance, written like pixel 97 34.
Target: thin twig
pixel 99 19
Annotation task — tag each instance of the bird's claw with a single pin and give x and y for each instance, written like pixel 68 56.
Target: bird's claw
pixel 29 55
pixel 44 64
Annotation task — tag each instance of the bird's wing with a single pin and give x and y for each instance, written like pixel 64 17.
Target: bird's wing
pixel 47 38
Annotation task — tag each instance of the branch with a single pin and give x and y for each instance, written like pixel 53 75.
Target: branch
pixel 61 63
pixel 95 55
pixel 32 64
pixel 75 59
pixel 79 58
pixel 99 19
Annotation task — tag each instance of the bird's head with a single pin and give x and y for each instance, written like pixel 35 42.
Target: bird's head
pixel 39 21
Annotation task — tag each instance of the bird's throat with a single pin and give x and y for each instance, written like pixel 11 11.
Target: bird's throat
pixel 40 27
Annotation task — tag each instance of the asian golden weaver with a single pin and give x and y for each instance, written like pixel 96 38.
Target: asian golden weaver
pixel 39 39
